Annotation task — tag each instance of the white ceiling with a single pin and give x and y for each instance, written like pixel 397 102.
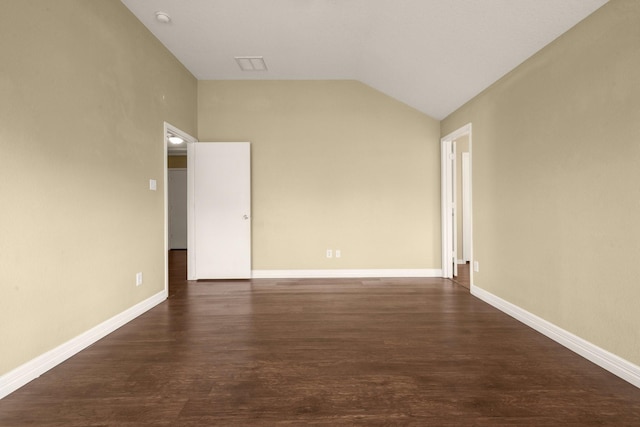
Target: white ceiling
pixel 433 55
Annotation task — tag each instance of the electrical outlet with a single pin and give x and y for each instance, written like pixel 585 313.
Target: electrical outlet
pixel 329 253
pixel 338 253
pixel 138 279
pixel 476 266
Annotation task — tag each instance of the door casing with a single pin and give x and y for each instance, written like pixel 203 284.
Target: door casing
pixel 168 127
pixel 449 256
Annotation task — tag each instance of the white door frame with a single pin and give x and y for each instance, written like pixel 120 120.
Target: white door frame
pixel 448 181
pixel 189 139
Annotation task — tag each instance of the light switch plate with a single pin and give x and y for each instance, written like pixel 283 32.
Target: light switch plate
pixel 153 185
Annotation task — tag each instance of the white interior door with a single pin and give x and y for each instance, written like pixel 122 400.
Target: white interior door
pixel 177 201
pixel 454 209
pixel 449 238
pixel 219 175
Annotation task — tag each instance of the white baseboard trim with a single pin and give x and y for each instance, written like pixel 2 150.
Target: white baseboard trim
pixel 618 366
pixel 343 274
pixel 13 380
pixel 460 261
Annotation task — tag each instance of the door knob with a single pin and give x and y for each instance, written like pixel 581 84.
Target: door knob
pixel 245 216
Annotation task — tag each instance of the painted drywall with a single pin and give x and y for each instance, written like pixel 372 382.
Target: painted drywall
pixel 556 149
pixel 335 165
pixel 85 90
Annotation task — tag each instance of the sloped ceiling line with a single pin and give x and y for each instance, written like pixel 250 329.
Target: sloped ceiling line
pixel 433 55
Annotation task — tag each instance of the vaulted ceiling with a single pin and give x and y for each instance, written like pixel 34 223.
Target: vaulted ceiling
pixel 433 55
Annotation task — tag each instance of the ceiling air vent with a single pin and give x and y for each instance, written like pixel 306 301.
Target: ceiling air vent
pixel 251 63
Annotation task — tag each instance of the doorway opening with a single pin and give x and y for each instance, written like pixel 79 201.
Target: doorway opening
pixel 457 224
pixel 174 151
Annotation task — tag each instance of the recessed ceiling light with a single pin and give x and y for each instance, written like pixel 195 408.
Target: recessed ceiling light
pixel 163 17
pixel 251 63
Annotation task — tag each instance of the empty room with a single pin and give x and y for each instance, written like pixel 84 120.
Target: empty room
pixel 320 212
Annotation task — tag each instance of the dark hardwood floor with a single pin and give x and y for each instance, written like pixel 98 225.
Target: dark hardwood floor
pixel 369 352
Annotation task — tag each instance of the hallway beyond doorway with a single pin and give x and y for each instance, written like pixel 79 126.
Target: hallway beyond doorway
pixel 463 278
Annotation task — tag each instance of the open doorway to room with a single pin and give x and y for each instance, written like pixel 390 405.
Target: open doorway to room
pixel 175 196
pixel 457 235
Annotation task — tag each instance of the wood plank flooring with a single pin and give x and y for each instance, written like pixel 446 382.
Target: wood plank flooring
pixel 370 352
pixel 463 278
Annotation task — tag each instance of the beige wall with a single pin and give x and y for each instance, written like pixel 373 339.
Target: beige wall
pixel 85 89
pixel 556 155
pixel 335 164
